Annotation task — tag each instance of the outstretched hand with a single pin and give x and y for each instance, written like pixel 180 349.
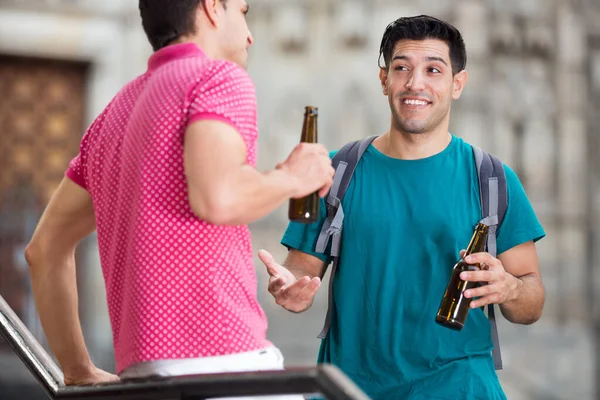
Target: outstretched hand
pixel 295 295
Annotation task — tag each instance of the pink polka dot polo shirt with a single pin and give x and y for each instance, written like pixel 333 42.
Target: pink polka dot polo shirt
pixel 177 287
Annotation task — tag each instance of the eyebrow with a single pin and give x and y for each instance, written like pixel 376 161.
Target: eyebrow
pixel 430 58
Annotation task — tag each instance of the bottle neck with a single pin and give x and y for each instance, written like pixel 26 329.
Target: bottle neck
pixel 477 243
pixel 309 129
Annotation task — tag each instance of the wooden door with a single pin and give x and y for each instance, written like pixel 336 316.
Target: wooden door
pixel 41 123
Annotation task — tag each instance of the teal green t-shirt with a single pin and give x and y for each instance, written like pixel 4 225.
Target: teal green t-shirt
pixel 404 225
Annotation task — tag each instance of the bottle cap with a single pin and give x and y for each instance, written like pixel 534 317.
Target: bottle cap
pixel 311 110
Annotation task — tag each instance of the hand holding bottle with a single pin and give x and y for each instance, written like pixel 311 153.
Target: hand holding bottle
pixel 310 167
pixel 501 286
pixel 454 306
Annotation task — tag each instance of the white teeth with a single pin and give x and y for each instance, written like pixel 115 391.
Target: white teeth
pixel 415 102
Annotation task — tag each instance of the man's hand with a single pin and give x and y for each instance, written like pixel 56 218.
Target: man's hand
pixel 310 166
pixel 501 286
pixel 295 295
pixel 92 377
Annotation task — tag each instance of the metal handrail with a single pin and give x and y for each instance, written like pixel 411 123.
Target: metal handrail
pixel 326 380
pixel 29 350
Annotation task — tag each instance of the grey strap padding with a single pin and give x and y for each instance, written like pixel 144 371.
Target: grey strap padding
pixel 494 202
pixel 492 215
pixel 496 353
pixel 327 323
pixel 333 203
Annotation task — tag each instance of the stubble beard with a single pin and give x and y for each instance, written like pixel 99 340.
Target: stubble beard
pixel 413 127
pixel 417 126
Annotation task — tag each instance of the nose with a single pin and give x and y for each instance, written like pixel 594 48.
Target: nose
pixel 416 82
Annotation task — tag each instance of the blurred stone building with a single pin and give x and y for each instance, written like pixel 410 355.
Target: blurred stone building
pixel 532 99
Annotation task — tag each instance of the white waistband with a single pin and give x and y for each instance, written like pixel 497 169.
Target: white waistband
pixel 266 359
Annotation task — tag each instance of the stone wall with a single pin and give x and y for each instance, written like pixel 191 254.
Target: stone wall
pixel 532 99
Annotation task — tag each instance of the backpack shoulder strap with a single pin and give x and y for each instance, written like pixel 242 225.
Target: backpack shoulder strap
pixel 493 193
pixel 494 202
pixel 344 162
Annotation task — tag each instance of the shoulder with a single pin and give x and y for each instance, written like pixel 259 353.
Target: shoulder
pixel 346 149
pixel 511 175
pixel 514 185
pixel 512 179
pixel 223 84
pixel 223 72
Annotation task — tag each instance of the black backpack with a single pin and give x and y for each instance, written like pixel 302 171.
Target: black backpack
pixel 494 201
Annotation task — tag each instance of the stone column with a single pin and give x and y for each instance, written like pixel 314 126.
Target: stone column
pixel 572 160
pixel 470 114
pixel 593 190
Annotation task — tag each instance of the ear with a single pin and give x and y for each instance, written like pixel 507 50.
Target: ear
pixel 209 9
pixel 383 76
pixel 459 82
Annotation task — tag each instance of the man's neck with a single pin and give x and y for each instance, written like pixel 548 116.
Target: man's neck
pixel 206 42
pixel 412 146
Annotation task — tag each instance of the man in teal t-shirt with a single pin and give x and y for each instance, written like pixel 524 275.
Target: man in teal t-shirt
pixel 410 209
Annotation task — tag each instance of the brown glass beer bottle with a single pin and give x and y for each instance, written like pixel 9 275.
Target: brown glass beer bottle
pixel 306 209
pixel 454 307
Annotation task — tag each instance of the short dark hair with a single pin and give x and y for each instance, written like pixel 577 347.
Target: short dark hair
pixel 167 20
pixel 424 27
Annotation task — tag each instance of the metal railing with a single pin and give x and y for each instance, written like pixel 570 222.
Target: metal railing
pixel 324 380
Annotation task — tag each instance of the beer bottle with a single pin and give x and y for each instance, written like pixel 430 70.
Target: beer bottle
pixel 454 307
pixel 306 209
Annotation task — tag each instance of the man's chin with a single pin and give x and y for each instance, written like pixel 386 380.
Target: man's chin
pixel 413 128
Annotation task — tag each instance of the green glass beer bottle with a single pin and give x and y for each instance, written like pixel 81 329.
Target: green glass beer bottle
pixel 454 306
pixel 306 209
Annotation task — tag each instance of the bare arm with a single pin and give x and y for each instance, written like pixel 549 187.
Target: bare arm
pixel 528 300
pixel 302 264
pixel 68 218
pixel 294 284
pixel 224 189
pixel 514 282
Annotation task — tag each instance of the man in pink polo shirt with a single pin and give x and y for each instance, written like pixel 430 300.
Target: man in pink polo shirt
pixel 166 175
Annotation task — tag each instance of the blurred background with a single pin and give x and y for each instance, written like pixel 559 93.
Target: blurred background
pixel 533 99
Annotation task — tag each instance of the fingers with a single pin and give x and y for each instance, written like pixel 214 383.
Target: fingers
pixel 330 174
pixel 108 377
pixel 479 291
pixel 272 267
pixel 308 293
pixel 491 268
pixel 484 301
pixel 299 295
pixel 462 253
pixel 328 179
pixel 325 189
pixel 96 376
pixel 478 276
pixel 316 148
pixel 483 258
pixel 276 284
pixel 483 295
pixel 289 292
pixel 323 150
